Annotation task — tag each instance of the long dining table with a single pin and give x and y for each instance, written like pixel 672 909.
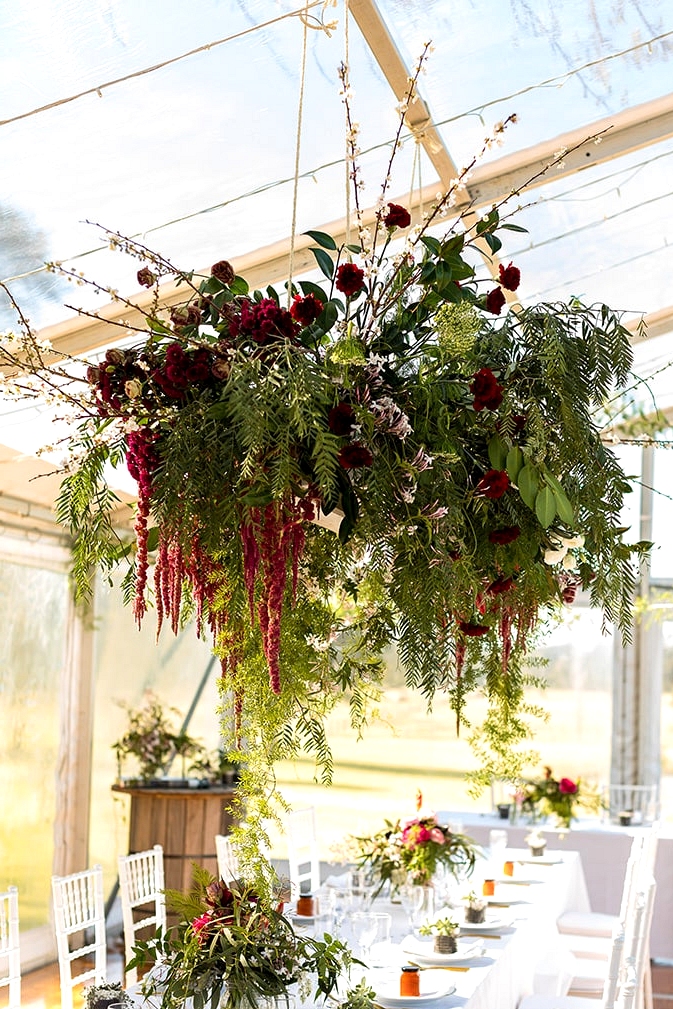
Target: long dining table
pixel 526 908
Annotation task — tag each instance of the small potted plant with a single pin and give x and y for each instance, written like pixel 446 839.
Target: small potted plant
pixel 152 741
pixel 444 932
pixel 475 908
pixel 101 996
pixel 536 843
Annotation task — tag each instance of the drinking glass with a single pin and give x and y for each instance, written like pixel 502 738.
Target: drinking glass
pixel 418 904
pixel 380 950
pixel 342 904
pixel 363 927
pixel 497 843
pixel 362 888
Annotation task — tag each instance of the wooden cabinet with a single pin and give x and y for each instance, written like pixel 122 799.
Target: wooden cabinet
pixel 184 821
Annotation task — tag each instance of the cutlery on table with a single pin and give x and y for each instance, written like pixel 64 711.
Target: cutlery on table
pixel 441 967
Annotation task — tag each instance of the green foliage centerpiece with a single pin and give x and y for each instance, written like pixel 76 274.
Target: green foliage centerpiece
pixel 232 950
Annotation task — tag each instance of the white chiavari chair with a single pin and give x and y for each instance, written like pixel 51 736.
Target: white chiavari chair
pixel 10 955
pixel 227 860
pixel 303 856
pixel 141 886
pixel 610 986
pixel 79 923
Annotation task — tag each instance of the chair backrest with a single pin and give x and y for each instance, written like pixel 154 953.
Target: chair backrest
pixel 227 860
pixel 628 989
pixel 10 956
pixel 642 801
pixel 613 975
pixel 79 922
pixel 141 885
pixel 302 850
pixel 636 948
pixel 633 870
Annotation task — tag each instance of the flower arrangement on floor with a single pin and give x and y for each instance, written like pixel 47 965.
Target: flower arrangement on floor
pixel 457 442
pixel 560 797
pixel 232 949
pixel 152 741
pixel 412 850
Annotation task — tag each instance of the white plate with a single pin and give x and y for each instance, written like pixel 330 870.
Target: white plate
pixel 490 925
pixel 539 861
pixel 424 954
pixel 506 901
pixel 433 986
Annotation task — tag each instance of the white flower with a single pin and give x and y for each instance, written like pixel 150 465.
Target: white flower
pixel 133 388
pixel 552 556
pixel 570 561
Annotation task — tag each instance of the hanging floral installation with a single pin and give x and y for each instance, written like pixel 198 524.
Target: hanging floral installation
pixel 456 439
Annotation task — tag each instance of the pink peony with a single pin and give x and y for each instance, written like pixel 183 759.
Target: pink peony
pixel 437 835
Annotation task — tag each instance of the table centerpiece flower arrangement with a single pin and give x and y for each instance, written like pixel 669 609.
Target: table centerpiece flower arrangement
pixel 412 851
pixel 456 443
pixel 232 949
pixel 560 798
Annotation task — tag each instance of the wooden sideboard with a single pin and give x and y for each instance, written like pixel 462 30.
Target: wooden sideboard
pixel 184 821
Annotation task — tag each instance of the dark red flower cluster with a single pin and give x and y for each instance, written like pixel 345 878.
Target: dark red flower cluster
pixel 111 376
pixel 495 300
pixel 486 390
pixel 185 315
pixel 141 462
pixel 510 277
pixel 501 537
pixel 355 455
pixel 182 369
pixel 223 271
pixel 341 419
pixel 397 216
pixel 500 585
pixel 263 321
pixel 493 484
pixel 306 310
pixel 472 630
pixel 350 279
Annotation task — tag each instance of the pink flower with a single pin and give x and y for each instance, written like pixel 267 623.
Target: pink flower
pixel 200 925
pixel 567 787
pixel 437 835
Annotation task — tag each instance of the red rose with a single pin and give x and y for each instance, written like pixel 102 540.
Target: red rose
pixel 350 279
pixel 305 310
pixel 145 277
pixel 495 299
pixel 510 277
pixel 341 419
pixel 397 217
pixel 486 390
pixel 472 630
pixel 505 535
pixel 355 455
pixel 223 271
pixel 493 484
pixel 567 787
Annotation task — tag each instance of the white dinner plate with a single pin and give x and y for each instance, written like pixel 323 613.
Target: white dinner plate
pixel 492 924
pixel 434 985
pixel 539 861
pixel 506 901
pixel 424 954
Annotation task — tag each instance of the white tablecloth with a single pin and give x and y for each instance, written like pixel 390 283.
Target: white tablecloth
pixel 503 974
pixel 604 849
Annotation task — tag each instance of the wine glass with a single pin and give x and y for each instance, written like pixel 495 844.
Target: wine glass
pixel 412 900
pixel 364 926
pixel 342 905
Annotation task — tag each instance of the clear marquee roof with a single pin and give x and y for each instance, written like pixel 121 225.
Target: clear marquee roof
pixel 177 123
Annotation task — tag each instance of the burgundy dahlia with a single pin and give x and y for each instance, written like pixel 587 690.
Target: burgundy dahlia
pixel 493 484
pixel 501 537
pixel 510 277
pixel 341 419
pixel 306 310
pixel 263 321
pixel 350 279
pixel 355 456
pixel 486 390
pixel 397 217
pixel 495 299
